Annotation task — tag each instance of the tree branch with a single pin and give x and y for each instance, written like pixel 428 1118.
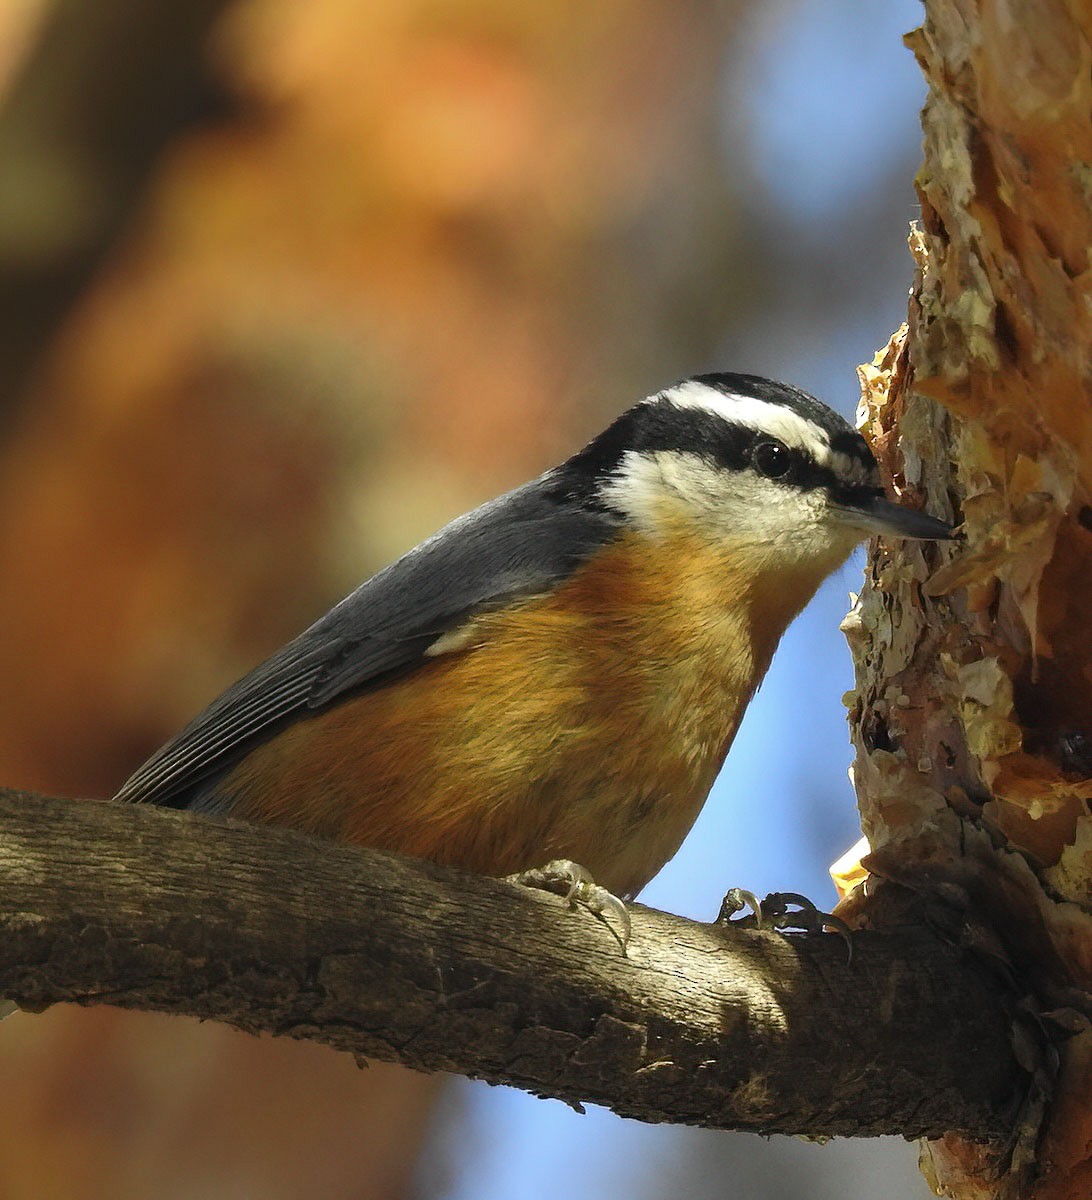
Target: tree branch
pixel 407 961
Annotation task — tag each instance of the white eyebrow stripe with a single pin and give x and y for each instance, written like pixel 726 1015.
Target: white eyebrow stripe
pixel 775 419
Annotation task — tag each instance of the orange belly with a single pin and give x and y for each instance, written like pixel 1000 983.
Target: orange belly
pixel 566 727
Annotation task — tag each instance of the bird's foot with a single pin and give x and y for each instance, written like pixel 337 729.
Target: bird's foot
pixel 735 901
pixel 783 911
pixel 565 878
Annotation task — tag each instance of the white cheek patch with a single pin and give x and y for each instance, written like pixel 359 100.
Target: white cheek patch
pixel 656 490
pixel 665 490
pixel 775 419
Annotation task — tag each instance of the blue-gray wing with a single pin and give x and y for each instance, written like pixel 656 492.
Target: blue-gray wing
pixel 521 544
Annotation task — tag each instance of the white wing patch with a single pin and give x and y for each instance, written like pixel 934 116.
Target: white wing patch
pixel 454 639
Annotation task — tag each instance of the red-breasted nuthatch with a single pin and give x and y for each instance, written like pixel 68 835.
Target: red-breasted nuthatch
pixel 559 673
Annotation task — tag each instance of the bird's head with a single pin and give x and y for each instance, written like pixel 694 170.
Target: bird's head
pixel 756 464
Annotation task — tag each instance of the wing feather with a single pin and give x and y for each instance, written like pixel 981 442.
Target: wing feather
pixel 520 544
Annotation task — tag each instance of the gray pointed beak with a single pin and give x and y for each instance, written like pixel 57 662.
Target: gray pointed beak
pixel 877 514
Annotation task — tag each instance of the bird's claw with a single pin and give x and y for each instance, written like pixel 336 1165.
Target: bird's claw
pixel 783 911
pixel 566 878
pixel 735 901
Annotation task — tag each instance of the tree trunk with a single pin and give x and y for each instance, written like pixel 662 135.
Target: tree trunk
pixel 972 719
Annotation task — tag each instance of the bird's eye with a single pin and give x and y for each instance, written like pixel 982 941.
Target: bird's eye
pixel 772 459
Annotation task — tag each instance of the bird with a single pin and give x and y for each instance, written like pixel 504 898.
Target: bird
pixel 559 673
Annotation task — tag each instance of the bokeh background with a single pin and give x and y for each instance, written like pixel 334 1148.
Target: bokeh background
pixel 427 249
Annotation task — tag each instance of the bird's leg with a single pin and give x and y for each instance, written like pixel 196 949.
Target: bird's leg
pixel 565 878
pixel 774 913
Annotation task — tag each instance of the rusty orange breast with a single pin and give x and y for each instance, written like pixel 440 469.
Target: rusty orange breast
pixel 586 724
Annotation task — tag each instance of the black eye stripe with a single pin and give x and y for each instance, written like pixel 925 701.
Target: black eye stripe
pixel 659 425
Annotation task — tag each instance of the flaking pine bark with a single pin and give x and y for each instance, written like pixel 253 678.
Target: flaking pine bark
pixel 972 714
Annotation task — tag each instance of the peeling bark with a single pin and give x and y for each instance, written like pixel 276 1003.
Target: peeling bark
pixel 973 712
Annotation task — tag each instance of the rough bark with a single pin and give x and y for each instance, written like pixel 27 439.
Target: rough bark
pixel 406 961
pixel 973 705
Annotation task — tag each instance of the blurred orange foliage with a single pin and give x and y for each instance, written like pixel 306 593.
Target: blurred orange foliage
pixel 429 237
